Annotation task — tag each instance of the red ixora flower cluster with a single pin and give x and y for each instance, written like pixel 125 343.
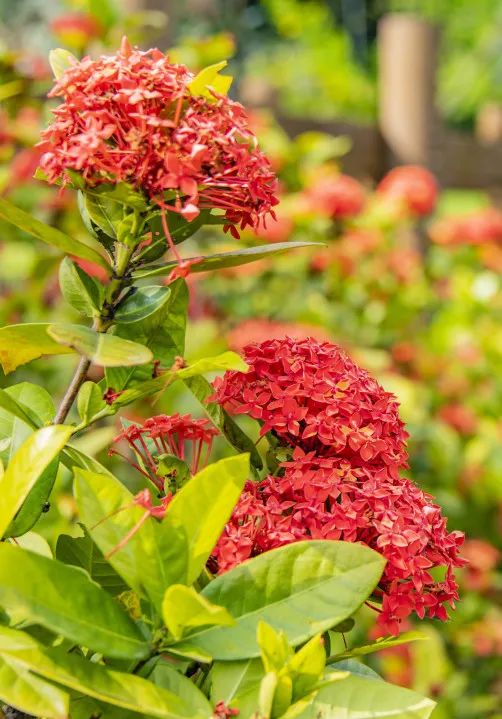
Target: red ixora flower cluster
pixel 412 185
pixel 182 436
pixel 131 117
pixel 341 480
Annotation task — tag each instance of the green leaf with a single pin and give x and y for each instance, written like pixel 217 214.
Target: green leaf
pixel 26 466
pixel 60 60
pixel 63 599
pixel 167 677
pixel 306 666
pixel 224 361
pixel 80 290
pixel 202 390
pixel 50 235
pixel 151 559
pixel 27 693
pixel 237 684
pixel 275 650
pixel 20 344
pixel 209 77
pixel 357 697
pixel 200 513
pixel 33 506
pixel 102 349
pixel 382 643
pixel 302 589
pixel 90 401
pixel 355 667
pixel 143 303
pixel 16 410
pixel 107 205
pixel 95 680
pixel 223 260
pixel 83 552
pixel 183 609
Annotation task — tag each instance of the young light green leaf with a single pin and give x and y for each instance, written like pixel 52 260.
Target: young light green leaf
pixel 19 688
pixel 307 666
pixel 26 466
pixel 224 361
pixel 275 650
pixel 79 289
pixel 60 60
pixel 382 643
pixel 20 344
pixel 90 401
pixel 223 260
pixel 34 504
pixel 199 513
pixel 302 588
pixel 64 599
pixel 237 684
pixel 8 403
pixel 183 608
pixel 143 303
pixel 102 349
pixel 95 680
pixel 49 235
pixel 209 78
pixel 150 559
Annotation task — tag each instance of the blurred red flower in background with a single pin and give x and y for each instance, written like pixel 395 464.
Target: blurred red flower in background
pixel 412 185
pixel 76 29
pixel 476 228
pixel 337 196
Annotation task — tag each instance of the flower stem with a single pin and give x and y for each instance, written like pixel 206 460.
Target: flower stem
pixel 101 324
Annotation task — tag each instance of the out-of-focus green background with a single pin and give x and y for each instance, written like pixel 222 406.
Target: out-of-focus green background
pixel 335 85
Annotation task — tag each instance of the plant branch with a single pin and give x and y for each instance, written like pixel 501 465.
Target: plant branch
pixel 72 391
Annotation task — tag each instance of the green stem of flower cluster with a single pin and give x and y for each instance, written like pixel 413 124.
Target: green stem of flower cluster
pixel 102 323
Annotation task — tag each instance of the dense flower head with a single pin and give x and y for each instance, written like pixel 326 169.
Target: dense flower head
pixel 338 478
pixel 131 117
pixel 412 185
pixel 338 196
pixel 310 394
pixel 181 436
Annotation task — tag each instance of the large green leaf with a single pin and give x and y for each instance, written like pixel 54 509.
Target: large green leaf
pixel 50 235
pixel 95 680
pixel 80 290
pixel 235 436
pixel 15 410
pixel 237 684
pixel 223 260
pixel 83 552
pixel 184 608
pixel 302 589
pixel 23 343
pixel 33 505
pixel 25 468
pixel 150 560
pixel 143 303
pixel 357 697
pixel 101 348
pixel 200 510
pixel 27 693
pixel 64 599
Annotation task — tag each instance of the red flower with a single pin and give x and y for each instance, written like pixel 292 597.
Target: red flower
pixel 184 437
pixel 131 117
pixel 342 480
pixel 337 196
pixel 476 228
pixel 76 29
pixel 222 711
pixel 414 186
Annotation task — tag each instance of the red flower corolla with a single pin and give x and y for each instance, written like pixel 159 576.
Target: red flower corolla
pixel 310 394
pixel 260 328
pixel 338 196
pixel 412 185
pixel 342 480
pixel 131 117
pixel 183 436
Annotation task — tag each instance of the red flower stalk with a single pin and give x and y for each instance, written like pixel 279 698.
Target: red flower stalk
pixel 310 394
pixel 342 481
pixel 412 185
pixel 184 437
pixel 131 117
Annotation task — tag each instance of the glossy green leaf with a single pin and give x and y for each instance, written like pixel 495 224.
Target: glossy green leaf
pixel 60 60
pixel 357 697
pixel 164 675
pixel 200 513
pixel 202 390
pixel 150 560
pixel 21 689
pixel 95 680
pixel 302 589
pixel 355 667
pixel 382 643
pixel 224 361
pixel 16 410
pixel 50 235
pixel 90 401
pixel 80 290
pixel 33 506
pixel 106 205
pixel 25 468
pixel 83 552
pixel 63 599
pixel 183 609
pixel 237 684
pixel 223 260
pixel 102 349
pixel 143 303
pixel 20 344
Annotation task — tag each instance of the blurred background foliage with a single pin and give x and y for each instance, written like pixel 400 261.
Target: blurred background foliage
pixel 417 300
